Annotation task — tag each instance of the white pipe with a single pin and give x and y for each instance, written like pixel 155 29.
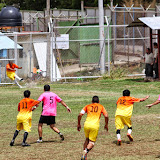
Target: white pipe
pixel 15 48
pixel 101 36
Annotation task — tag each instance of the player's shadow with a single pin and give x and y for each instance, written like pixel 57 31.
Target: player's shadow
pixel 49 141
pixel 16 145
pixel 139 80
pixel 157 139
pixel 158 157
pixel 35 142
pixel 135 80
pixel 123 141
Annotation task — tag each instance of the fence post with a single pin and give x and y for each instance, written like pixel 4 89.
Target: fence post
pixel 101 36
pixel 15 48
pixel 48 57
pixel 108 50
pixel 30 52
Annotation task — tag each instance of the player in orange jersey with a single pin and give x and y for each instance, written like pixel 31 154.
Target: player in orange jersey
pixel 10 71
pixel 91 125
pixel 24 117
pixel 124 113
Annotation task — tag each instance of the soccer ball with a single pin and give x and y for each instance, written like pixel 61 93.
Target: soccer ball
pixel 39 71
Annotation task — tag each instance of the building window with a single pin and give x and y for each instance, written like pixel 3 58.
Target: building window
pixel 21 53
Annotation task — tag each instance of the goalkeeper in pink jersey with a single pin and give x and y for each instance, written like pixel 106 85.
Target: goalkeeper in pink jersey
pixel 49 111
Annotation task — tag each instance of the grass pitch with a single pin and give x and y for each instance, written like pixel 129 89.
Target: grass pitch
pixel 146 145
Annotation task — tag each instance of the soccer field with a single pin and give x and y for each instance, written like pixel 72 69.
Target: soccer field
pixel 146 131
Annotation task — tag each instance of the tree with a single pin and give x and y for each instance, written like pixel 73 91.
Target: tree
pixel 76 4
pixel 40 5
pixel 2 5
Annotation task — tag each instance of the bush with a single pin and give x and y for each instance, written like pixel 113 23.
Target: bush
pixel 2 5
pixel 116 72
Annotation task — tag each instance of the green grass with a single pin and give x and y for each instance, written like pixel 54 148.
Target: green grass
pixel 146 143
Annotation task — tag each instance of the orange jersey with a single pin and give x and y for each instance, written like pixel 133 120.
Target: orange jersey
pixel 125 106
pixel 93 111
pixel 13 67
pixel 34 70
pixel 26 104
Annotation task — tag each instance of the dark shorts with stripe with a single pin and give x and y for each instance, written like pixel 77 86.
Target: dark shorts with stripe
pixel 47 119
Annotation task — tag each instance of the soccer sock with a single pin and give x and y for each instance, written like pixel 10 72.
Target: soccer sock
pixel 118 136
pixel 25 137
pixel 17 83
pixel 17 77
pixel 40 138
pixel 129 131
pixel 87 150
pixel 15 134
pixel 60 133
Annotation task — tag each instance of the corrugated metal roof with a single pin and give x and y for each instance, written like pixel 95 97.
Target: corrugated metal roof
pixel 151 22
pixel 7 43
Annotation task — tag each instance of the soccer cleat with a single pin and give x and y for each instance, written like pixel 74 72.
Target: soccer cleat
pixel 62 137
pixel 119 142
pixel 130 137
pixel 83 158
pixel 21 79
pixel 12 143
pixel 84 155
pixel 25 144
pixel 39 141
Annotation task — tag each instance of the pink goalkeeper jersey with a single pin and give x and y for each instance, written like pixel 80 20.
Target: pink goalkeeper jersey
pixel 50 100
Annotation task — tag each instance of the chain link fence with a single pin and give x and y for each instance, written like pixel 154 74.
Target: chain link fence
pixel 130 43
pixel 74 50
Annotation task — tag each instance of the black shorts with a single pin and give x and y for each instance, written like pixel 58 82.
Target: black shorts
pixel 47 119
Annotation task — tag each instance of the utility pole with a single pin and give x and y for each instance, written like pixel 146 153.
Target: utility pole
pixel 82 9
pixel 101 36
pixel 112 4
pixel 48 56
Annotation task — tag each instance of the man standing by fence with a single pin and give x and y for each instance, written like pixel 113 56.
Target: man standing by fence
pixel 155 66
pixel 149 60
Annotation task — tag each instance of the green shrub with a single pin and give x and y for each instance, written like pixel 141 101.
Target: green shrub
pixel 116 72
pixel 2 5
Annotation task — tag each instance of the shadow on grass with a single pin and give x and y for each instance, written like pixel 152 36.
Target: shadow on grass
pixel 50 141
pixel 142 140
pixel 158 157
pixel 126 142
pixel 136 80
pixel 141 80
